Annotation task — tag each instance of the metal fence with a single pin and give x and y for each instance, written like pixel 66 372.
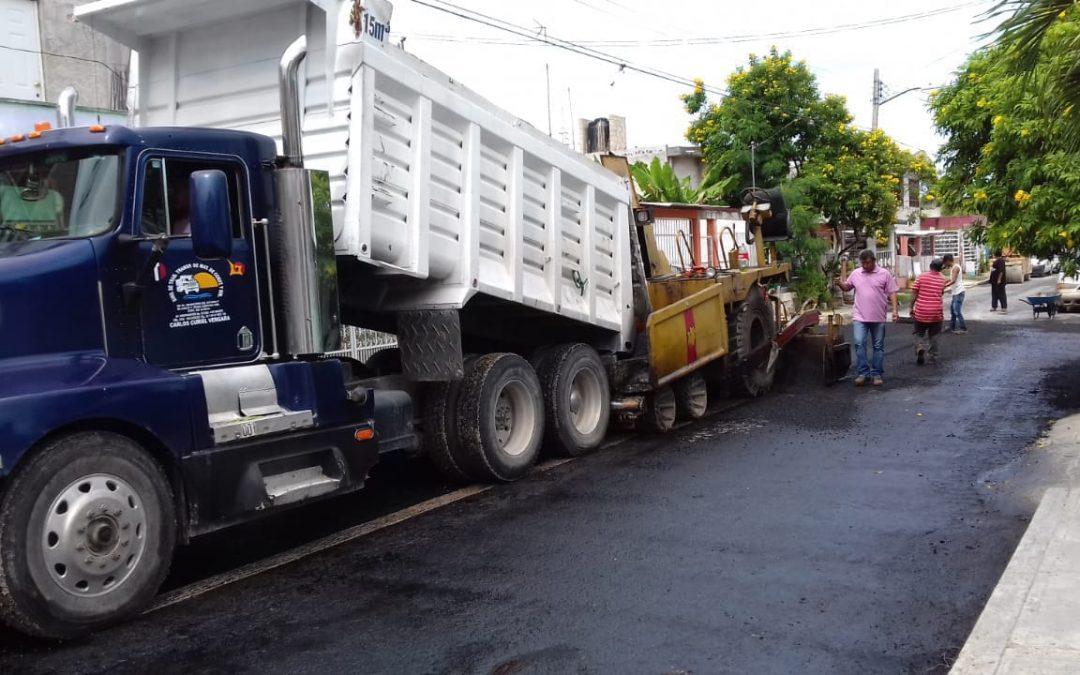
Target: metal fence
pixel 678 249
pixel 361 343
pixel 885 258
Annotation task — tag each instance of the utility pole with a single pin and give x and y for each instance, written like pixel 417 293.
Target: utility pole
pixel 753 161
pixel 541 30
pixel 547 76
pixel 881 99
pixel 879 91
pixel 573 122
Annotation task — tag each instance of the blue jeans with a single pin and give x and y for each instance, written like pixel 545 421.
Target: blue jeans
pixel 876 331
pixel 956 308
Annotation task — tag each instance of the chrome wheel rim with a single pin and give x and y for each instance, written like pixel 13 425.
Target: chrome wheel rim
pixel 586 402
pixel 94 535
pixel 515 418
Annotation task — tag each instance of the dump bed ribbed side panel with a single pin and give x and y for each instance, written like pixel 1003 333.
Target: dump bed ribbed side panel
pixel 430 182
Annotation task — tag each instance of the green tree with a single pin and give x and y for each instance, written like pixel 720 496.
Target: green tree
pixel 853 178
pixel 1026 31
pixel 1010 153
pixel 657 182
pixel 805 249
pixel 856 182
pixel 774 103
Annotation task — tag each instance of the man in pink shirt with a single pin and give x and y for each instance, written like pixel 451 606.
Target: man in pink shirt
pixel 875 288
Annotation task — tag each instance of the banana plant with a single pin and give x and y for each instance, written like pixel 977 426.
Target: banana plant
pixel 657 182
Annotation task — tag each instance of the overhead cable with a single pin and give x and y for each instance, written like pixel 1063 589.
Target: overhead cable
pixel 544 37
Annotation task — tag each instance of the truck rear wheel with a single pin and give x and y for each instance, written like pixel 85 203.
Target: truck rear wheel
pixel 691 397
pixel 500 417
pixel 660 411
pixel 577 400
pixel 87 531
pixel 441 438
pixel 752 329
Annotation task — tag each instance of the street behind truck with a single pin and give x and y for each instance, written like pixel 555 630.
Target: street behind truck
pixel 169 293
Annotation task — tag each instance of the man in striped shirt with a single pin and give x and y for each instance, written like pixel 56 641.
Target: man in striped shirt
pixel 927 312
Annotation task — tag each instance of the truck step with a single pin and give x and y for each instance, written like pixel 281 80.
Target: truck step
pixel 297 485
pixel 242 402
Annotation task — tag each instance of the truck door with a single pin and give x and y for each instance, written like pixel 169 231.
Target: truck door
pixel 194 312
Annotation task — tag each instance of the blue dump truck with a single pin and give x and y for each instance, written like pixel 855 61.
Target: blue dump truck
pixel 138 406
pixel 171 299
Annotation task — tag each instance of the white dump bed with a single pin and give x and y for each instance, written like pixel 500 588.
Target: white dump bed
pixel 431 182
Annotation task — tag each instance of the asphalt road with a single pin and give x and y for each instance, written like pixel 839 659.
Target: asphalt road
pixel 813 530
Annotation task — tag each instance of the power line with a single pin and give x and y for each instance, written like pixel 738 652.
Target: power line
pixel 521 31
pixel 721 39
pixel 65 56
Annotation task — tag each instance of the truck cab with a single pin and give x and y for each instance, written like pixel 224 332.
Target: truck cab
pixel 146 394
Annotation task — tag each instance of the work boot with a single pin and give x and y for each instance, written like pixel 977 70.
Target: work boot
pixel 860 380
pixel 878 381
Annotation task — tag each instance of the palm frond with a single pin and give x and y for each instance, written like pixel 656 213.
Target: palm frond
pixel 1025 25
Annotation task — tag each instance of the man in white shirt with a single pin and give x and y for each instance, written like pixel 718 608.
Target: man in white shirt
pixel 956 284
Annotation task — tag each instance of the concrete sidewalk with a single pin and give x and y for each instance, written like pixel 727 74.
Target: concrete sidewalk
pixel 1031 623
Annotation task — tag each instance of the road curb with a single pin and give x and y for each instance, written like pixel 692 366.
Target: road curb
pixel 1006 638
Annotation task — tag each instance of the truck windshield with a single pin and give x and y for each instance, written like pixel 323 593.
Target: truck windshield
pixel 58 194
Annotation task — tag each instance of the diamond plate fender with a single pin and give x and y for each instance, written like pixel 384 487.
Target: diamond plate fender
pixel 430 343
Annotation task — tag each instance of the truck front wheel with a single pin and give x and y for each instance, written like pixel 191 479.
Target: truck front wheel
pixel 500 417
pixel 87 531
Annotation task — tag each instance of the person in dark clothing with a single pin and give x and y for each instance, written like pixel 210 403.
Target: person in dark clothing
pixel 997 284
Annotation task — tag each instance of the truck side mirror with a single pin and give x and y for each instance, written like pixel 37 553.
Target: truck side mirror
pixel 210 215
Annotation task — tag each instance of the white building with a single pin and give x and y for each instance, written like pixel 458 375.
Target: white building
pixel 42 51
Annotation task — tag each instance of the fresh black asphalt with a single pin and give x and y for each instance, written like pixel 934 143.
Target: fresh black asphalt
pixel 814 530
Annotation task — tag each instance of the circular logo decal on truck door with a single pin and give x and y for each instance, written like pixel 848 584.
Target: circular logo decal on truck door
pixel 196 290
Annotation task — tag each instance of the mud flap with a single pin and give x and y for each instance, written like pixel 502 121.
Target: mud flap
pixel 430 343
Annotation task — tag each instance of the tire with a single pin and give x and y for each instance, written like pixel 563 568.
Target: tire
pixel 752 326
pixel 385 361
pixel 691 397
pixel 660 411
pixel 539 357
pixel 577 399
pixel 65 568
pixel 441 438
pixel 500 417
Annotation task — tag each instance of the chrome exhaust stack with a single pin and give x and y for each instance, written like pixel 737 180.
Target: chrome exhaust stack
pixel 301 235
pixel 289 90
pixel 66 102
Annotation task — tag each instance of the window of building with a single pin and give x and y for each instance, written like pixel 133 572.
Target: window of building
pixel 913 192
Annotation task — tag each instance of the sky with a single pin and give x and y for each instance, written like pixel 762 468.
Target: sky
pixel 910 52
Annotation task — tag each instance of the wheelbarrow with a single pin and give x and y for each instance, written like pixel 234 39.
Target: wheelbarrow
pixel 1042 303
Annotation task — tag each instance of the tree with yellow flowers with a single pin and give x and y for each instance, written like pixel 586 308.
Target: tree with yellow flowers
pixel 852 178
pixel 1010 152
